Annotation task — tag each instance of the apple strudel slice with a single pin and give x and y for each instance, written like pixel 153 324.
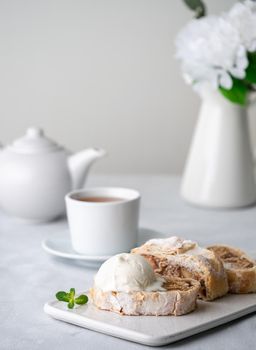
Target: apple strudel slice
pixel 240 268
pixel 177 257
pixel 127 284
pixel 178 298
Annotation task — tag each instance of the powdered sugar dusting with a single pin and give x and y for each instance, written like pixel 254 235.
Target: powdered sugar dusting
pixel 199 251
pixel 179 245
pixel 171 243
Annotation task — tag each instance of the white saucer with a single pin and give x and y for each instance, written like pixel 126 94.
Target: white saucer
pixel 60 246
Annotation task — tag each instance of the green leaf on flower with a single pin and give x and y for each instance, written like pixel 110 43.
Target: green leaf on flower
pixel 250 71
pixel 81 300
pixel 197 6
pixel 238 92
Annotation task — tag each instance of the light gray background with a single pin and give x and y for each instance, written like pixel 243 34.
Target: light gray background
pixel 100 73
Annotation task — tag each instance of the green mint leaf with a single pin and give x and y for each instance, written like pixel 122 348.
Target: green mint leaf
pixel 71 304
pixel 62 296
pixel 81 300
pixel 71 299
pixel 238 92
pixel 72 293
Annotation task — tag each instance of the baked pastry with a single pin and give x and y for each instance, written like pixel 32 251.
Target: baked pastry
pixel 182 258
pixel 178 299
pixel 127 284
pixel 240 268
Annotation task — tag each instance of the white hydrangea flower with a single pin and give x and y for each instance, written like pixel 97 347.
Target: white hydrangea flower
pixel 242 16
pixel 212 48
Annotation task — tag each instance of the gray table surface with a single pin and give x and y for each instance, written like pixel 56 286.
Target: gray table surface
pixel 29 277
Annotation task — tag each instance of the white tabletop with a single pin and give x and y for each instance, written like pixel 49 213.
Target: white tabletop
pixel 29 277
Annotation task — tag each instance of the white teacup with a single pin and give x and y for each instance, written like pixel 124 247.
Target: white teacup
pixel 103 220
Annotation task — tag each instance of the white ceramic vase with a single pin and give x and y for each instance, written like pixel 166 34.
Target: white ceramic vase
pixel 219 171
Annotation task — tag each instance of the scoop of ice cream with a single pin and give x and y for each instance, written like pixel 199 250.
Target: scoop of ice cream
pixel 127 273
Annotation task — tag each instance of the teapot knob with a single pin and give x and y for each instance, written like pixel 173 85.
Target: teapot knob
pixel 34 132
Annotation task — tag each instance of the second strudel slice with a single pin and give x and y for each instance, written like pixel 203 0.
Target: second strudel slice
pixel 175 256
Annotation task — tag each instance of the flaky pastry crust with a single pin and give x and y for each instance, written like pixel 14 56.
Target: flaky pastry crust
pixel 179 298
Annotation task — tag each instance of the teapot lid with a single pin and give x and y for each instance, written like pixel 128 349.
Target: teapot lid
pixel 33 142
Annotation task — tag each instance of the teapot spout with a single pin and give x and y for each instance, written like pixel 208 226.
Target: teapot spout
pixel 80 163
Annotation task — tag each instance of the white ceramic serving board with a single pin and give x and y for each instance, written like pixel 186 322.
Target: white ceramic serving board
pixel 152 330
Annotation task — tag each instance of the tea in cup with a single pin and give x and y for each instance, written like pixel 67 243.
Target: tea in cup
pixel 103 220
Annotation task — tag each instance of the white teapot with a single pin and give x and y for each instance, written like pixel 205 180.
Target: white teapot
pixel 36 173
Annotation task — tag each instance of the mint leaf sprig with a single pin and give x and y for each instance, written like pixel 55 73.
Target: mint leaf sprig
pixel 71 298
